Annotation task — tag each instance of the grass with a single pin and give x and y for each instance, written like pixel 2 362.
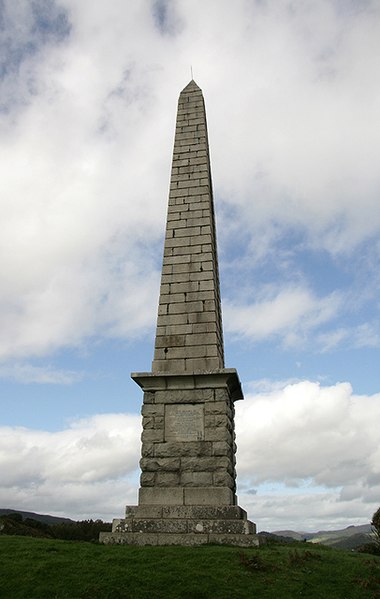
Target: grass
pixel 33 568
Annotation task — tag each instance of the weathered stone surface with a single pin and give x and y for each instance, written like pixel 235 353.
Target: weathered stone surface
pixel 221 526
pixel 204 512
pixel 217 408
pixel 196 479
pixel 147 479
pixel 167 479
pixel 188 449
pixel 147 449
pixel 218 434
pixel 221 448
pixel 190 395
pixel 152 435
pixel 185 539
pixel 223 479
pixel 209 464
pixel 156 525
pixel 162 496
pixel 152 409
pixel 145 511
pixel 208 496
pixel 155 464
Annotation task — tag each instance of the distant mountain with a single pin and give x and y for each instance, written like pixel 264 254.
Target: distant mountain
pixel 270 536
pixel 39 517
pixel 346 538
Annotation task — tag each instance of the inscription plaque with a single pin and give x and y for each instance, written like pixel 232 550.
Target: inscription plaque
pixel 184 422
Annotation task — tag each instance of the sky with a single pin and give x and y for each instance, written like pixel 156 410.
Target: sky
pixel 87 114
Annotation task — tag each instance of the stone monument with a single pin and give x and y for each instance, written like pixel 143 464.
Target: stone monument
pixel 188 480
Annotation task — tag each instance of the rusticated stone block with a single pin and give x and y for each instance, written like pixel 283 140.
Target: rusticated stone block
pixel 223 479
pixel 189 449
pixel 147 450
pixel 222 420
pixel 148 422
pixel 152 436
pixel 159 422
pixel 167 479
pixel 148 397
pixel 222 448
pixel 209 420
pixel 196 479
pixel 152 410
pixel 184 396
pixel 222 395
pixel 218 434
pixel 205 464
pixel 164 464
pixel 217 408
pixel 147 479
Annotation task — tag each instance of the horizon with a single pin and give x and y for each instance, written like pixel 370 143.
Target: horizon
pixel 87 111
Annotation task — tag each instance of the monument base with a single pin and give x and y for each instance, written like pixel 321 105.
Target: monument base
pixel 182 525
pixel 188 479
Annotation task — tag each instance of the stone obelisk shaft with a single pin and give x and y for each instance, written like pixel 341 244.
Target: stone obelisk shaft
pixel 189 326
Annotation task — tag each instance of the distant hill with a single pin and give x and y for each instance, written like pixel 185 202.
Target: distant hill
pixel 45 518
pixel 346 538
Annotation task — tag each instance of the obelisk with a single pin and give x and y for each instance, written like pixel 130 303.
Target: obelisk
pixel 187 490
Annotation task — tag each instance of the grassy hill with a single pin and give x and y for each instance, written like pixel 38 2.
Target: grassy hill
pixel 45 568
pixel 345 538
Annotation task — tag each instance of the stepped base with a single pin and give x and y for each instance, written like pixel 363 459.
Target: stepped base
pixel 182 525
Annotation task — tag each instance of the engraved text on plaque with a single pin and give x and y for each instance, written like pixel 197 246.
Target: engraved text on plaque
pixel 184 422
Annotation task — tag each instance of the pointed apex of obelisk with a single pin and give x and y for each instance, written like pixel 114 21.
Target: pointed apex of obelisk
pixel 191 86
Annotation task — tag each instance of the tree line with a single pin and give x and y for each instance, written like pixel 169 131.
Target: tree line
pixel 83 530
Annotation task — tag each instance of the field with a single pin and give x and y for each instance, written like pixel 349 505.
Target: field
pixel 33 568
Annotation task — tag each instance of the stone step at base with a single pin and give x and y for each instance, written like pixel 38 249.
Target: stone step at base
pixel 183 526
pixel 186 539
pixel 202 512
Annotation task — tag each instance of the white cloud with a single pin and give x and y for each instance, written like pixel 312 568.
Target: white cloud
pixel 306 511
pixel 83 471
pixel 289 313
pixel 360 336
pixel 27 373
pixel 306 422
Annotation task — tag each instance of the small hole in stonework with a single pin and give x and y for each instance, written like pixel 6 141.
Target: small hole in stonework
pixel 201 268
pixel 165 350
pixel 173 233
